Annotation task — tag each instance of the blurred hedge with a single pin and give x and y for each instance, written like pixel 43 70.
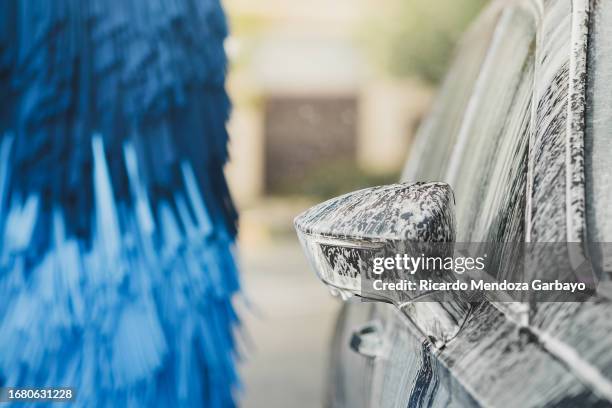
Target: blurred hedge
pixel 416 38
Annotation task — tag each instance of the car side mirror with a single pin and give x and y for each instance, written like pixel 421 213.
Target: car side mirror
pixel 342 237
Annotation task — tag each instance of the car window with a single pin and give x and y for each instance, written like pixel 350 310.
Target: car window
pixel 436 137
pixel 487 169
pixel 479 126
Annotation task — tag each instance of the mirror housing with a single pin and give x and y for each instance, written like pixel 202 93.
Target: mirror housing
pixel 342 236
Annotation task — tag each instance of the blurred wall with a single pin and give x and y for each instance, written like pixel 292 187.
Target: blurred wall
pixel 391 111
pixel 308 99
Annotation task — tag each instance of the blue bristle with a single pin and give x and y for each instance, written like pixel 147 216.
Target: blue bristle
pixel 117 271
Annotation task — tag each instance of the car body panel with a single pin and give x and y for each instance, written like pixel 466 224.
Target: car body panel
pixel 553 354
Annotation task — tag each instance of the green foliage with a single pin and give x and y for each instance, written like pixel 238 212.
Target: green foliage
pixel 417 37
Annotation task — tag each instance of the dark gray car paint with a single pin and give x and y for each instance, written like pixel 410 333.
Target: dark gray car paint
pixel 559 355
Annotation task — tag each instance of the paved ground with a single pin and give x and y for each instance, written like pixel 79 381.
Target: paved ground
pixel 290 328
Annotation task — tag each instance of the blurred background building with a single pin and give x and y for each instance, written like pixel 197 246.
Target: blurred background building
pixel 327 98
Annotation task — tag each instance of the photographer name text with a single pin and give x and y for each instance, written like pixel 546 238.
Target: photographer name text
pixel 478 285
